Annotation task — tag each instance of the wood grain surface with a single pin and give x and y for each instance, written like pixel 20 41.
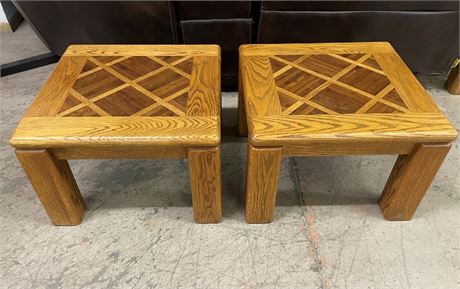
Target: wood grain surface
pixel 337 99
pixel 205 182
pixel 263 170
pixel 120 152
pixel 260 87
pixel 130 86
pixel 125 101
pixel 142 50
pixel 241 117
pixel 314 48
pixel 55 186
pixel 413 93
pixel 297 129
pixel 116 131
pixel 328 148
pixel 52 95
pixel 204 95
pixel 410 179
pixel 453 82
pixel 141 95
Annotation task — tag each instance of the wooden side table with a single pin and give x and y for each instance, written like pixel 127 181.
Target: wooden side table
pixel 453 81
pixel 338 99
pixel 124 101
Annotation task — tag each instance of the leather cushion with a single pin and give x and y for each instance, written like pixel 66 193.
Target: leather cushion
pixel 427 41
pixel 62 23
pixel 189 10
pixel 346 5
pixel 228 33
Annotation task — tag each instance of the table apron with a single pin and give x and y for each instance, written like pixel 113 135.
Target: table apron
pixel 166 152
pixel 342 149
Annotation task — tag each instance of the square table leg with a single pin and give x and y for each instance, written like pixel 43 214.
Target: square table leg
pixel 262 183
pixel 242 122
pixel 410 178
pixel 205 183
pixel 453 81
pixel 55 186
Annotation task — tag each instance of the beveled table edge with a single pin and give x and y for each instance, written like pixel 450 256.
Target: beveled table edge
pixel 53 132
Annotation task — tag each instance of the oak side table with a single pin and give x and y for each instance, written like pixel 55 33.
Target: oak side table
pixel 124 101
pixel 337 99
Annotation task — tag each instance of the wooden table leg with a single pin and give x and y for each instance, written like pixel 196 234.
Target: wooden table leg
pixel 242 123
pixel 55 186
pixel 205 182
pixel 410 178
pixel 263 169
pixel 453 81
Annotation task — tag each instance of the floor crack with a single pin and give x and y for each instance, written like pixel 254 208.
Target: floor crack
pixel 307 225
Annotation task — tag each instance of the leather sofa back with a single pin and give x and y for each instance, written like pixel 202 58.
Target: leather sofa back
pixel 226 23
pixel 425 33
pixel 189 10
pixel 61 23
pixel 346 5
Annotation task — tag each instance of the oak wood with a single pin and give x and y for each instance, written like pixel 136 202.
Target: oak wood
pixel 242 122
pixel 241 118
pixel 260 84
pixel 128 152
pixel 52 95
pixel 116 132
pixel 410 179
pixel 55 186
pixel 316 48
pixel 413 93
pixel 333 99
pixel 453 81
pixel 145 89
pixel 263 170
pixel 352 84
pixel 355 128
pixel 133 81
pixel 127 101
pixel 142 50
pixel 205 182
pixel 327 148
pixel 204 94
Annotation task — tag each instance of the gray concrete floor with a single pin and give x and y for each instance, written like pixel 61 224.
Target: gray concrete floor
pixel 138 231
pixel 23 43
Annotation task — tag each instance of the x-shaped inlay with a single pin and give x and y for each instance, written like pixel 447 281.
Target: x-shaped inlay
pixel 131 89
pixel 346 84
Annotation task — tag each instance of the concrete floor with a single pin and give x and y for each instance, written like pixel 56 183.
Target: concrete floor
pixel 138 231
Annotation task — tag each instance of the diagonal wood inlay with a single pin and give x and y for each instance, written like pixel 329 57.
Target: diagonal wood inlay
pixel 130 86
pixel 334 84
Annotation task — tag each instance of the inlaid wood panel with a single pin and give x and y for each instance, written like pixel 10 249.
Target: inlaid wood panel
pixel 146 94
pixel 124 101
pixel 334 84
pixel 333 99
pixel 304 93
pixel 130 86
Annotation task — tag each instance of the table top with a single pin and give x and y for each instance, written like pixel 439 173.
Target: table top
pixel 298 93
pixel 101 95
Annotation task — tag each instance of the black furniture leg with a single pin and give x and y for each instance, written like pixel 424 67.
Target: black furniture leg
pixel 28 63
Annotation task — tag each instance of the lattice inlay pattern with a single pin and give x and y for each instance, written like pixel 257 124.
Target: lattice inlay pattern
pixel 334 84
pixel 130 86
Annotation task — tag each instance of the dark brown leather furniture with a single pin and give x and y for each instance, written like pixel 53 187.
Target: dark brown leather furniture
pixel 425 33
pixel 226 23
